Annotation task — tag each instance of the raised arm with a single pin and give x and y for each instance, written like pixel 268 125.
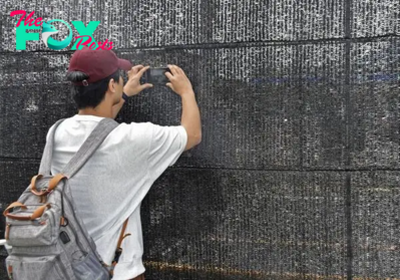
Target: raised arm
pixel 190 119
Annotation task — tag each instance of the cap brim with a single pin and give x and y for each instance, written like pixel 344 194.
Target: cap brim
pixel 124 64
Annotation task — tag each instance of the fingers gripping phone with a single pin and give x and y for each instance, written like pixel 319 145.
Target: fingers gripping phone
pixel 156 76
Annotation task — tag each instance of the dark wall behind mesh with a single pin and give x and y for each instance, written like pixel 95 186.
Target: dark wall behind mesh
pixel 298 173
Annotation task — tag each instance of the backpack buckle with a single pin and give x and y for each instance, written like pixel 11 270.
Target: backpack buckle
pixel 118 253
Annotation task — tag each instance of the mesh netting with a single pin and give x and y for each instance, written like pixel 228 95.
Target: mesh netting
pixel 297 175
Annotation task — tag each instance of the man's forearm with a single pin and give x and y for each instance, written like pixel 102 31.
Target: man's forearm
pixel 191 115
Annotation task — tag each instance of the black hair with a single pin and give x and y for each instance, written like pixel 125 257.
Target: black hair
pixel 93 94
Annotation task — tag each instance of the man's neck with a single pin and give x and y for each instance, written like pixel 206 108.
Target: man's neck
pixel 95 112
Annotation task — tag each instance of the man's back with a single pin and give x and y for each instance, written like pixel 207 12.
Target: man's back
pixel 110 187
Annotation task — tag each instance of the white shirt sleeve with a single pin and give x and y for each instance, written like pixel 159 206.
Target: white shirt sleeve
pixel 48 133
pixel 167 144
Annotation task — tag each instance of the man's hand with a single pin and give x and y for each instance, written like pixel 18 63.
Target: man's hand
pixel 179 82
pixel 133 86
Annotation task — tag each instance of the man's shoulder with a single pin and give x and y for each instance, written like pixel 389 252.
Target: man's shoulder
pixel 133 131
pixel 134 126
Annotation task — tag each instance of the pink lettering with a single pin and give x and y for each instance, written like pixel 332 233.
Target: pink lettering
pixel 80 41
pixel 18 12
pixel 38 21
pixel 28 20
pixel 111 46
pixel 102 45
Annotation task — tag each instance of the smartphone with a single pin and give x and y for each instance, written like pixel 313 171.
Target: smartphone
pixel 156 76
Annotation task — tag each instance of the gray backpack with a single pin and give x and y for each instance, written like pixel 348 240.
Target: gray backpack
pixel 48 240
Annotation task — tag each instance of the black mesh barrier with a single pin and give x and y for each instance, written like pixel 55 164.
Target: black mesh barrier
pixel 297 175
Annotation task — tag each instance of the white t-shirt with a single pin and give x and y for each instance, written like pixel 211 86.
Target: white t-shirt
pixel 111 186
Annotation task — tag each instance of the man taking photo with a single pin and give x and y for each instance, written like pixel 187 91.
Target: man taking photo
pixel 110 187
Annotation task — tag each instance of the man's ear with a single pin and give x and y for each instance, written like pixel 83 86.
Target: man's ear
pixel 111 85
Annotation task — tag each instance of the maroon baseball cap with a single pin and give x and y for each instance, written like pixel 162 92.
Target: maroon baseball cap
pixel 97 64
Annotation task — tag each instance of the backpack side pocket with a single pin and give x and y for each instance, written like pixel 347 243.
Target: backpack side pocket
pixel 90 269
pixel 38 232
pixel 35 268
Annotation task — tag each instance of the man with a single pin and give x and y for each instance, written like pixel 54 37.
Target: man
pixel 112 184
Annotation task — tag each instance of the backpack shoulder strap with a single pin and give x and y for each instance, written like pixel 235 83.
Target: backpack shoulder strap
pixel 99 133
pixel 91 144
